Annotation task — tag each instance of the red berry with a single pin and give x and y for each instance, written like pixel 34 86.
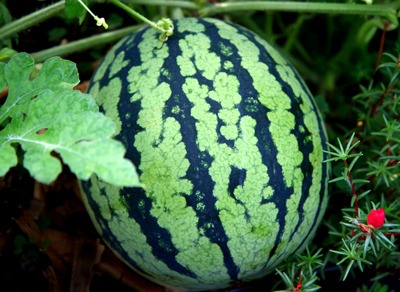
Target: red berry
pixel 376 218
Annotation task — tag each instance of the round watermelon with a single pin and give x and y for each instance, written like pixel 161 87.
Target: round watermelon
pixel 229 146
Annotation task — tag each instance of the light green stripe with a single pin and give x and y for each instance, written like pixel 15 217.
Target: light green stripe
pixel 106 62
pixel 310 118
pixel 282 123
pixel 108 96
pixel 247 223
pixel 163 165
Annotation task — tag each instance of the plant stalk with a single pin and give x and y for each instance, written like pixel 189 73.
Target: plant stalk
pixel 84 44
pixel 135 14
pixel 30 20
pixel 386 11
pixel 172 3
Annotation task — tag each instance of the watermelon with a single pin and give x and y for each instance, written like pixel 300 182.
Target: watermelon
pixel 229 146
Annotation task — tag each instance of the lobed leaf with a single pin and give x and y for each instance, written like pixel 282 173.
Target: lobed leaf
pixel 46 117
pixel 56 74
pixel 8 158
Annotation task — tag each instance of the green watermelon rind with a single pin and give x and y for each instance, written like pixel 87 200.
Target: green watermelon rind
pixel 229 144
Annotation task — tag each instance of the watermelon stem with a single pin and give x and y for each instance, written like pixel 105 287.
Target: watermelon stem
pixel 83 44
pixel 32 19
pixel 164 25
pixel 385 11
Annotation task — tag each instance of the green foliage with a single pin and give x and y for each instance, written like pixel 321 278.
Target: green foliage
pixel 301 271
pixel 337 64
pixel 75 9
pixel 378 137
pixel 44 115
pixel 366 167
pixel 22 244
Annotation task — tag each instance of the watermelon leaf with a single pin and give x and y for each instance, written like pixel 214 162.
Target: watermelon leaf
pixel 57 75
pixel 47 118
